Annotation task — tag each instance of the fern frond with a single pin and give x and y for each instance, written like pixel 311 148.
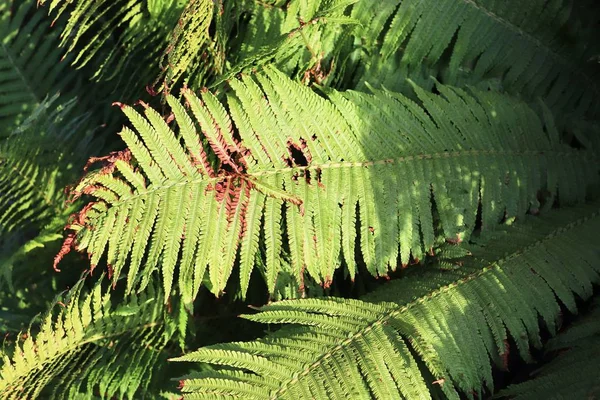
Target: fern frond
pixel 32 167
pixel 531 47
pixel 123 36
pixel 89 347
pixel 292 169
pixel 36 161
pixel 300 38
pixel 14 251
pixel 436 330
pixel 30 67
pixel 573 373
pixel 189 41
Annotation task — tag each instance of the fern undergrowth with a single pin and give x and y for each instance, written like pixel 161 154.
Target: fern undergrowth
pixel 406 191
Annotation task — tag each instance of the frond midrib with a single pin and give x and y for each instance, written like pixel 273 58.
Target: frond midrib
pixel 394 312
pixel 588 158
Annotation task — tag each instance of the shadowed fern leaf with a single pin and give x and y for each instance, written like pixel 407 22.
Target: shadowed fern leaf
pixel 292 169
pixel 113 35
pixel 30 67
pixel 89 347
pixel 32 166
pixel 298 37
pixel 533 48
pixel 573 373
pixel 437 330
pixel 36 161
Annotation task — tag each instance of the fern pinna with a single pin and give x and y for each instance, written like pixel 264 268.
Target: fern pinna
pixel 94 343
pixel 434 334
pixel 370 166
pixel 513 45
pixel 572 371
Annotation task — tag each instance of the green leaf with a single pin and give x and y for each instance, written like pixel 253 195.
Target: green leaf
pixel 89 345
pixel 433 330
pixel 320 159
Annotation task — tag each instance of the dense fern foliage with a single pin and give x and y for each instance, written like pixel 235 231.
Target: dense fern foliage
pixel 67 353
pixel 298 181
pixel 457 322
pixel 477 40
pixel 164 164
pixel 29 73
pixel 572 370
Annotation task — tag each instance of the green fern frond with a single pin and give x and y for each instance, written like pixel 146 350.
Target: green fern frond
pixel 14 251
pixel 32 167
pixel 293 169
pixel 302 38
pixel 30 67
pixel 37 160
pixel 573 373
pixel 529 46
pixel 111 35
pixel 89 347
pixel 437 329
pixel 189 41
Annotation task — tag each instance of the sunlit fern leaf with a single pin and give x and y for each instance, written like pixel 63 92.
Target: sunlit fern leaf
pixel 301 172
pixel 190 43
pixel 573 372
pixel 533 47
pixel 435 330
pixel 30 67
pixel 86 347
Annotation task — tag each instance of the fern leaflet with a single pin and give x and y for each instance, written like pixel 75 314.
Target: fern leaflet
pixel 87 346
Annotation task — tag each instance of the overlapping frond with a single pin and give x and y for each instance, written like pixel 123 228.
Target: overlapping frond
pixel 32 166
pixel 300 38
pixel 123 36
pixel 436 331
pixel 88 347
pixel 534 48
pixel 119 37
pixel 573 373
pixel 190 43
pixel 30 67
pixel 317 181
pixel 36 161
